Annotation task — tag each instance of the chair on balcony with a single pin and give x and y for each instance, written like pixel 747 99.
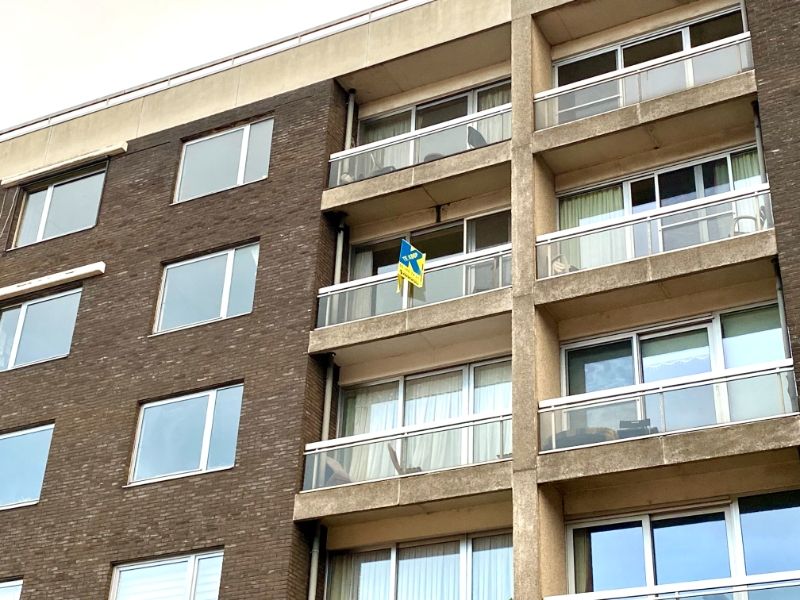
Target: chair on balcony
pixel 335 473
pixel 560 265
pixel 637 428
pixel 401 470
pixel 758 223
pixel 475 138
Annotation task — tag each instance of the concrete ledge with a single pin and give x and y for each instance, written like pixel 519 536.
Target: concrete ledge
pixel 671 449
pixel 431 172
pixel 398 496
pixel 410 321
pixel 658 267
pixel 649 111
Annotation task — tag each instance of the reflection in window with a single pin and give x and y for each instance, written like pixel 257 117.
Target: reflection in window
pixel 676 355
pixel 602 367
pixel 691 548
pixel 23 458
pixel 195 577
pixel 608 557
pixel 770 530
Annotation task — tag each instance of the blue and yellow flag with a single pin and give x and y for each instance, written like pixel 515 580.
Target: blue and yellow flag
pixel 410 266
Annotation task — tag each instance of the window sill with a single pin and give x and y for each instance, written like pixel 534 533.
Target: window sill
pixel 198 324
pixel 55 237
pixel 19 505
pixel 33 364
pixel 177 202
pixel 135 484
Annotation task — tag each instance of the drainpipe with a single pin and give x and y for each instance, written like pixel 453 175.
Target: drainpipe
pixel 337 266
pixel 759 142
pixel 314 568
pixel 351 109
pixel 779 287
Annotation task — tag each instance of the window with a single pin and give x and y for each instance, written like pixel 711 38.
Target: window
pixel 37 330
pixel 186 435
pixel 23 459
pixel 426 570
pixel 430 399
pixel 653 46
pixel 10 590
pixel 750 536
pixel 62 207
pixel 209 288
pixel 194 577
pixel 224 160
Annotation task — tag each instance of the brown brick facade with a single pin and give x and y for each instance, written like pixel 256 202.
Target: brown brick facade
pixel 775 30
pixel 87 520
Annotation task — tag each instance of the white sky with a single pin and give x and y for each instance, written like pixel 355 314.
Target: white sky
pixel 58 53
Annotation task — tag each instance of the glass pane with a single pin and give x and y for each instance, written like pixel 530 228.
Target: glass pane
pixel 10 592
pixel 715 29
pixel 587 67
pixel 243 280
pixel 448 282
pixel 448 241
pixel 592 207
pixel 691 548
pixel 47 330
pixel 381 128
pixel 609 557
pixel 369 409
pixel 716 179
pixel 225 428
pixel 207 579
pixel 193 292
pixel 74 205
pixel 23 459
pixel 374 259
pixel 360 576
pixel 488 231
pixel 171 438
pixel 31 218
pixel 156 582
pixel 492 388
pixel 9 319
pixel 652 49
pixel 441 112
pixel 494 96
pixel 429 572
pixel 643 194
pixel 677 186
pixel 675 355
pixel 752 336
pixel 601 367
pixel 210 165
pixel 259 146
pixel 492 574
pixel 770 530
pixel 746 169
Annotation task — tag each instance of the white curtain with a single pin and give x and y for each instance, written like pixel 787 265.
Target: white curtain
pixel 746 169
pixel 492 394
pixel 360 576
pixel 359 301
pixel 370 409
pixel 492 574
pixel 429 400
pixel 429 572
pixel 498 127
pixel 593 249
pixel 395 156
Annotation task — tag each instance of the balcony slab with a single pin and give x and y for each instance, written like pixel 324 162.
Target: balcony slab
pixel 426 185
pixel 698 112
pixel 414 494
pixel 670 449
pixel 487 313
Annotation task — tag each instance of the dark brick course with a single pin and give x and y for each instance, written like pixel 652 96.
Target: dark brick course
pixel 775 31
pixel 86 520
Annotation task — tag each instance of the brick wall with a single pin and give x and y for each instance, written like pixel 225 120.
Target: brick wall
pixel 775 30
pixel 87 520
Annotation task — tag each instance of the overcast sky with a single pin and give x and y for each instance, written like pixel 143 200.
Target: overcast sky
pixel 58 53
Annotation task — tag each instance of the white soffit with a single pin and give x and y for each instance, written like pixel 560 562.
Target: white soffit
pixel 48 281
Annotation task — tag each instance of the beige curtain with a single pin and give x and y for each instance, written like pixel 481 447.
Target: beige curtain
pixel 593 249
pixel 498 127
pixel 492 394
pixel 360 576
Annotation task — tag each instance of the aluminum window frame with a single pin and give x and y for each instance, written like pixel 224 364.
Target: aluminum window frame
pixel 226 288
pixel 19 433
pixel 243 150
pixel 192 562
pixel 208 427
pixel 23 306
pixel 48 186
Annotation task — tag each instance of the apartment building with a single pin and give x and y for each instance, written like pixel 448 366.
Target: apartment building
pixel 212 387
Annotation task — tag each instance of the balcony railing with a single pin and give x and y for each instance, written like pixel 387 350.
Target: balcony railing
pixel 688 224
pixel 652 79
pixel 683 404
pixel 760 587
pixel 407 451
pixel 445 279
pixel 408 149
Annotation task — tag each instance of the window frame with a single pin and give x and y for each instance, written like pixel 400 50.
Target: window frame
pixel 245 145
pixel 192 560
pixel 49 185
pixel 619 46
pixel 18 433
pixel 23 306
pixel 208 427
pixel 226 288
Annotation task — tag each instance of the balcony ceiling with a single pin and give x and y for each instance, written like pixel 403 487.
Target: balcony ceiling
pixel 432 65
pixel 572 20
